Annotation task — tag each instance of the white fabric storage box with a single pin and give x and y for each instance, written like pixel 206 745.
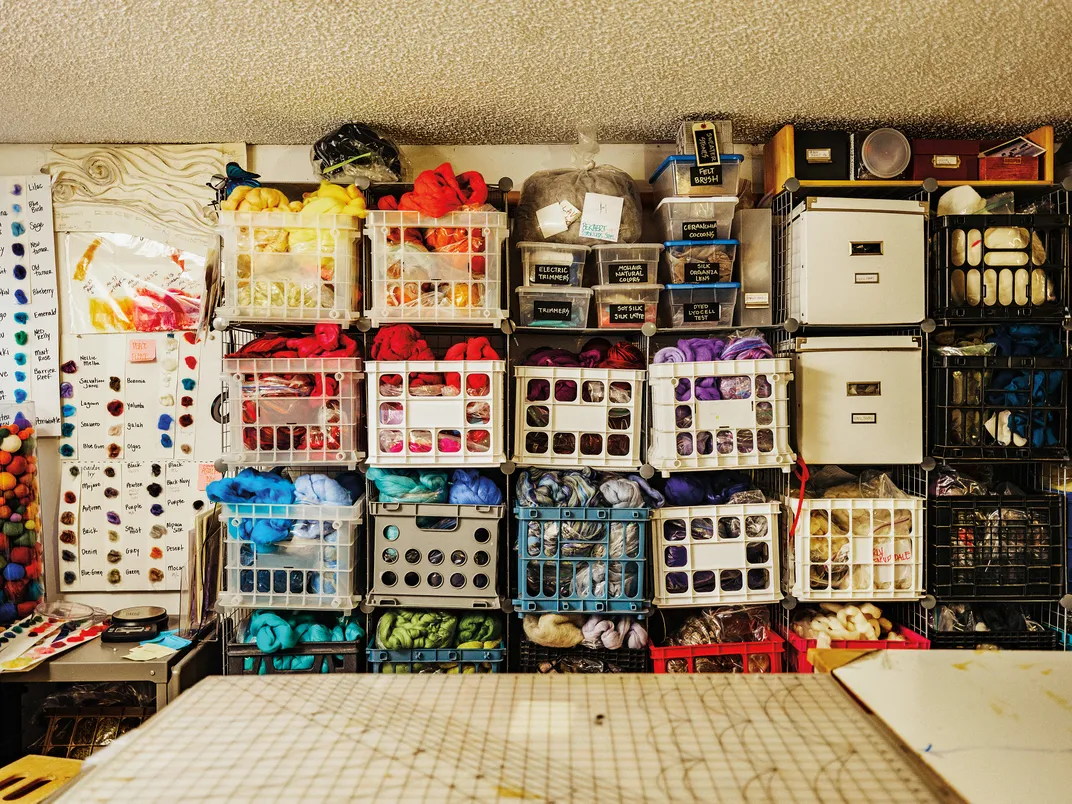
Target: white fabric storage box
pixel 859 400
pixel 857 261
pixel 857 548
pixel 410 283
pixel 716 554
pixel 413 422
pixel 574 417
pixel 747 427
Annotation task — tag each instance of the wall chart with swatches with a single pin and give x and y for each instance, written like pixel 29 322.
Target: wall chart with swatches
pixel 29 304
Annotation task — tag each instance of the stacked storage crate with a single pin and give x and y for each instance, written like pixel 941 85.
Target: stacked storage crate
pixel 999 423
pixel 435 576
pixel 290 565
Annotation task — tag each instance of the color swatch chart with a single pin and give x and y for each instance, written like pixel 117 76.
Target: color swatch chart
pixel 29 303
pixel 124 525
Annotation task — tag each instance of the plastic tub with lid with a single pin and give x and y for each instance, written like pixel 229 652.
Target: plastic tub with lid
pixel 679 175
pixel 552 264
pixel 696 218
pixel 699 261
pixel 884 154
pixel 626 306
pixel 553 307
pixel 709 304
pixel 627 263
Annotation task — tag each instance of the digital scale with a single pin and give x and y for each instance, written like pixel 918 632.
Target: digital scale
pixel 135 624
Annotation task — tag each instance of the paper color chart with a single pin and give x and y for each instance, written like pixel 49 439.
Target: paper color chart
pixel 29 304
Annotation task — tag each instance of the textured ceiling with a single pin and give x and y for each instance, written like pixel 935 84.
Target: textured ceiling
pixel 284 71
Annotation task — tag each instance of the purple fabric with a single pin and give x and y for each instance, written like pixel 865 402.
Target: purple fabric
pixel 701 350
pixel 707 389
pixel 594 352
pixel 753 347
pixel 546 356
pixel 565 391
pixel 669 354
pixel 713 488
pixel 683 390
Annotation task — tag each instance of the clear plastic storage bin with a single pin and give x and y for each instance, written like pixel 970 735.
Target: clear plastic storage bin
pixel 460 282
pixel 289 267
pixel 699 261
pixel 553 307
pixel 696 218
pixel 709 305
pixel 679 175
pixel 626 306
pixel 627 264
pixel 552 264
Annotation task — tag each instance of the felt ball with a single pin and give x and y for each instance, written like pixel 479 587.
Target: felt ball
pixel 8 481
pixel 15 590
pixel 11 443
pixel 30 525
pixel 3 542
pixel 34 591
pixel 3 562
pixel 11 516
pixel 22 555
pixel 33 571
pixel 9 612
pixel 26 539
pixel 27 608
pixel 20 491
pixel 14 572
pixel 17 465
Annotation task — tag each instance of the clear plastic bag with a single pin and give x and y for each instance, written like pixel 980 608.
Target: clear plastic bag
pixel 356 152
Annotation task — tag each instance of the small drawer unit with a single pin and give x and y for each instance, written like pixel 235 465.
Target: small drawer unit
pixel 447 269
pixel 1000 267
pixel 1007 547
pixel 441 412
pixel 553 307
pixel 857 548
pixel 289 267
pixel 627 263
pixel 699 261
pixel 575 417
pixel 582 560
pixel 704 305
pixel 679 175
pixel 556 264
pixel 857 262
pixel 626 306
pixel 724 414
pixel 714 555
pixel 859 400
pixel 293 410
pixel 434 554
pixel 764 656
pixel 312 567
pixel 696 218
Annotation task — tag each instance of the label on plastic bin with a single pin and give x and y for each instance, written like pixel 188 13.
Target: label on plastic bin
pixel 602 217
pixel 702 272
pixel 551 311
pixel 627 313
pixel 702 312
pixel 552 274
pixel 757 300
pixel 705 141
pixel 705 176
pixel 699 230
pixel 628 273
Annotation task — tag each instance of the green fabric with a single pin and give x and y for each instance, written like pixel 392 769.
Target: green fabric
pixel 478 628
pixel 404 630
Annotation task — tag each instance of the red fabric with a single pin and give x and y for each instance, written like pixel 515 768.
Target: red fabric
pixel 327 340
pixel 439 192
pixel 623 355
pixel 403 342
pixel 478 348
pixel 15 590
pixel 27 608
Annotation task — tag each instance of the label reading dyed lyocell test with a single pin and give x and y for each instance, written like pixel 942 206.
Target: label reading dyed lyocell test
pixel 702 313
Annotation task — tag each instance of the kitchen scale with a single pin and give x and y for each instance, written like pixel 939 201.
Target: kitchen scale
pixel 136 624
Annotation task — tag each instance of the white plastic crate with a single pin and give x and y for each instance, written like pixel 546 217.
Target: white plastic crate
pixel 412 284
pixel 415 420
pixel 312 569
pixel 749 430
pixel 293 410
pixel 857 548
pixel 289 267
pixel 574 417
pixel 716 554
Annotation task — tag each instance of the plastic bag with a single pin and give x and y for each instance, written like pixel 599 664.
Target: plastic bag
pixel 568 186
pixel 355 151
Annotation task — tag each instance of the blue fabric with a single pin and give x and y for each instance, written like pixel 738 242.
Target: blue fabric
pixel 252 486
pixel 320 490
pixel 469 487
pixel 169 639
pixel 275 632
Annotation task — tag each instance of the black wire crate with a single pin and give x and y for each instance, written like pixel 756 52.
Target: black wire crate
pixel 538 659
pixel 1007 547
pixel 987 407
pixel 1000 268
pixel 1006 626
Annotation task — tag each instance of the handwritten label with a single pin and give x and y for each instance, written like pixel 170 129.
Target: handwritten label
pixel 601 217
pixel 702 313
pixel 551 220
pixel 551 311
pixel 702 272
pixel 142 351
pixel 699 230
pixel 627 313
pixel 552 274
pixel 705 176
pixel 206 473
pixel 628 273
pixel 705 143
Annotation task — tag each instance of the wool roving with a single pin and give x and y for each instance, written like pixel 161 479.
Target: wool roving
pixel 554 630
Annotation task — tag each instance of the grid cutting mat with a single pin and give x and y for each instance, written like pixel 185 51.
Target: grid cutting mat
pixel 624 738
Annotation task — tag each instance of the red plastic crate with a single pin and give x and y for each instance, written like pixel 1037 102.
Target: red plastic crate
pixel 773 646
pixel 798 646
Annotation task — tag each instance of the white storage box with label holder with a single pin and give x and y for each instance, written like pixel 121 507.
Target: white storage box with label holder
pixel 461 281
pixel 747 425
pixel 696 218
pixel 627 263
pixel 679 175
pixel 574 417
pixel 857 261
pixel 442 412
pixel 716 554
pixel 558 264
pixel 857 548
pixel 859 400
pixel 553 307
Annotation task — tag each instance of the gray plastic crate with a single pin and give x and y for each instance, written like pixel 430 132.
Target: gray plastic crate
pixel 417 565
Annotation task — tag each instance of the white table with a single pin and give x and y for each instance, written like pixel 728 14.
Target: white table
pixel 528 738
pixel 996 726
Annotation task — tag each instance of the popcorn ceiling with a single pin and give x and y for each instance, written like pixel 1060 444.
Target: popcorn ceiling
pixel 524 71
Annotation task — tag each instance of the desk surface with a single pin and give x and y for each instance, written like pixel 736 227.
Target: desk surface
pixel 625 738
pixel 996 725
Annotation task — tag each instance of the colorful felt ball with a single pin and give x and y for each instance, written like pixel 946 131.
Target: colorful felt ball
pixel 22 555
pixel 26 540
pixel 30 524
pixel 15 464
pixel 8 481
pixel 33 571
pixel 14 572
pixel 9 515
pixel 13 529
pixel 11 443
pixel 8 612
pixel 3 542
pixel 15 590
pixel 27 608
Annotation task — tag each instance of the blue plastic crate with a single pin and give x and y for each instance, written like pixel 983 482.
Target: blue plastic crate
pixel 436 660
pixel 582 560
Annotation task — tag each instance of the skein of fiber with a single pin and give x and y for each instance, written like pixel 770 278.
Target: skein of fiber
pixel 469 487
pixel 554 630
pixel 271 632
pixel 572 488
pixel 613 633
pixel 409 486
pixel 621 493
